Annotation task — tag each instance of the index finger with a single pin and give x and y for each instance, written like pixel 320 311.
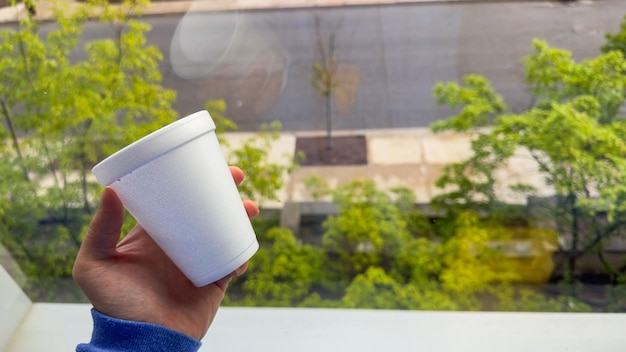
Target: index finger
pixel 237 173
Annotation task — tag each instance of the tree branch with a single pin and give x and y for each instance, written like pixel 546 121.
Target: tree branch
pixel 16 145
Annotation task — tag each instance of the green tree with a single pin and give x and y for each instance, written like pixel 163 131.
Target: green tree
pixel 283 272
pixel 616 41
pixel 61 116
pixel 461 272
pixel 528 300
pixel 451 275
pixel 469 265
pixel 264 177
pixel 223 124
pixel 368 231
pixel 573 132
pixel 417 223
pixel 463 267
pixel 375 289
pixel 324 76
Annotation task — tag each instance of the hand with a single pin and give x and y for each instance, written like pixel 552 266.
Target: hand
pixel 135 280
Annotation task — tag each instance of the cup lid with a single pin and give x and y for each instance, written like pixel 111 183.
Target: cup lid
pixel 152 146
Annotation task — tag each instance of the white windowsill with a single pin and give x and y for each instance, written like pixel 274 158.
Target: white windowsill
pixel 59 327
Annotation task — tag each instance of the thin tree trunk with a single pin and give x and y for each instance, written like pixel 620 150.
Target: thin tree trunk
pixel 16 144
pixel 573 255
pixel 329 125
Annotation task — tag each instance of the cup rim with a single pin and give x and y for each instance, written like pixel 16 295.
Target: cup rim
pixel 152 146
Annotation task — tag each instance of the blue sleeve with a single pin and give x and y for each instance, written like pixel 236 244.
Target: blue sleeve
pixel 116 335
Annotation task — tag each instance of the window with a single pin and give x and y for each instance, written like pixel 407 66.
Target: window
pixel 452 156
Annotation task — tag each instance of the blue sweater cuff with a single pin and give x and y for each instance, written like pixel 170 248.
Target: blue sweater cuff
pixel 117 335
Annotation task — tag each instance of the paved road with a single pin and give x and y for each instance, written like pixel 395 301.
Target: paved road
pixel 389 57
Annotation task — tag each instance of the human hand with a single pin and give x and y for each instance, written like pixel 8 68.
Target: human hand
pixel 134 279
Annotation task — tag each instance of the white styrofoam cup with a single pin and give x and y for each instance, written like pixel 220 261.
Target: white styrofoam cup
pixel 177 185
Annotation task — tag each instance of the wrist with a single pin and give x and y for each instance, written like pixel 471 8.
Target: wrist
pixel 112 334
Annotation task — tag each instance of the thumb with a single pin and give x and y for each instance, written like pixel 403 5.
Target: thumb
pixel 105 229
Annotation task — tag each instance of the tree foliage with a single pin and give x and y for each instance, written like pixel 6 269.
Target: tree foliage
pixel 368 230
pixel 415 271
pixel 61 115
pixel 283 271
pixel 264 177
pixel 616 41
pixel 573 132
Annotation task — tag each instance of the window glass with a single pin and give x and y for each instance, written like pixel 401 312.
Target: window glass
pixel 425 156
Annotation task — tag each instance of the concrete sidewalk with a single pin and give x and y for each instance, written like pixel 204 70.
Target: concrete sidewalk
pixel 412 158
